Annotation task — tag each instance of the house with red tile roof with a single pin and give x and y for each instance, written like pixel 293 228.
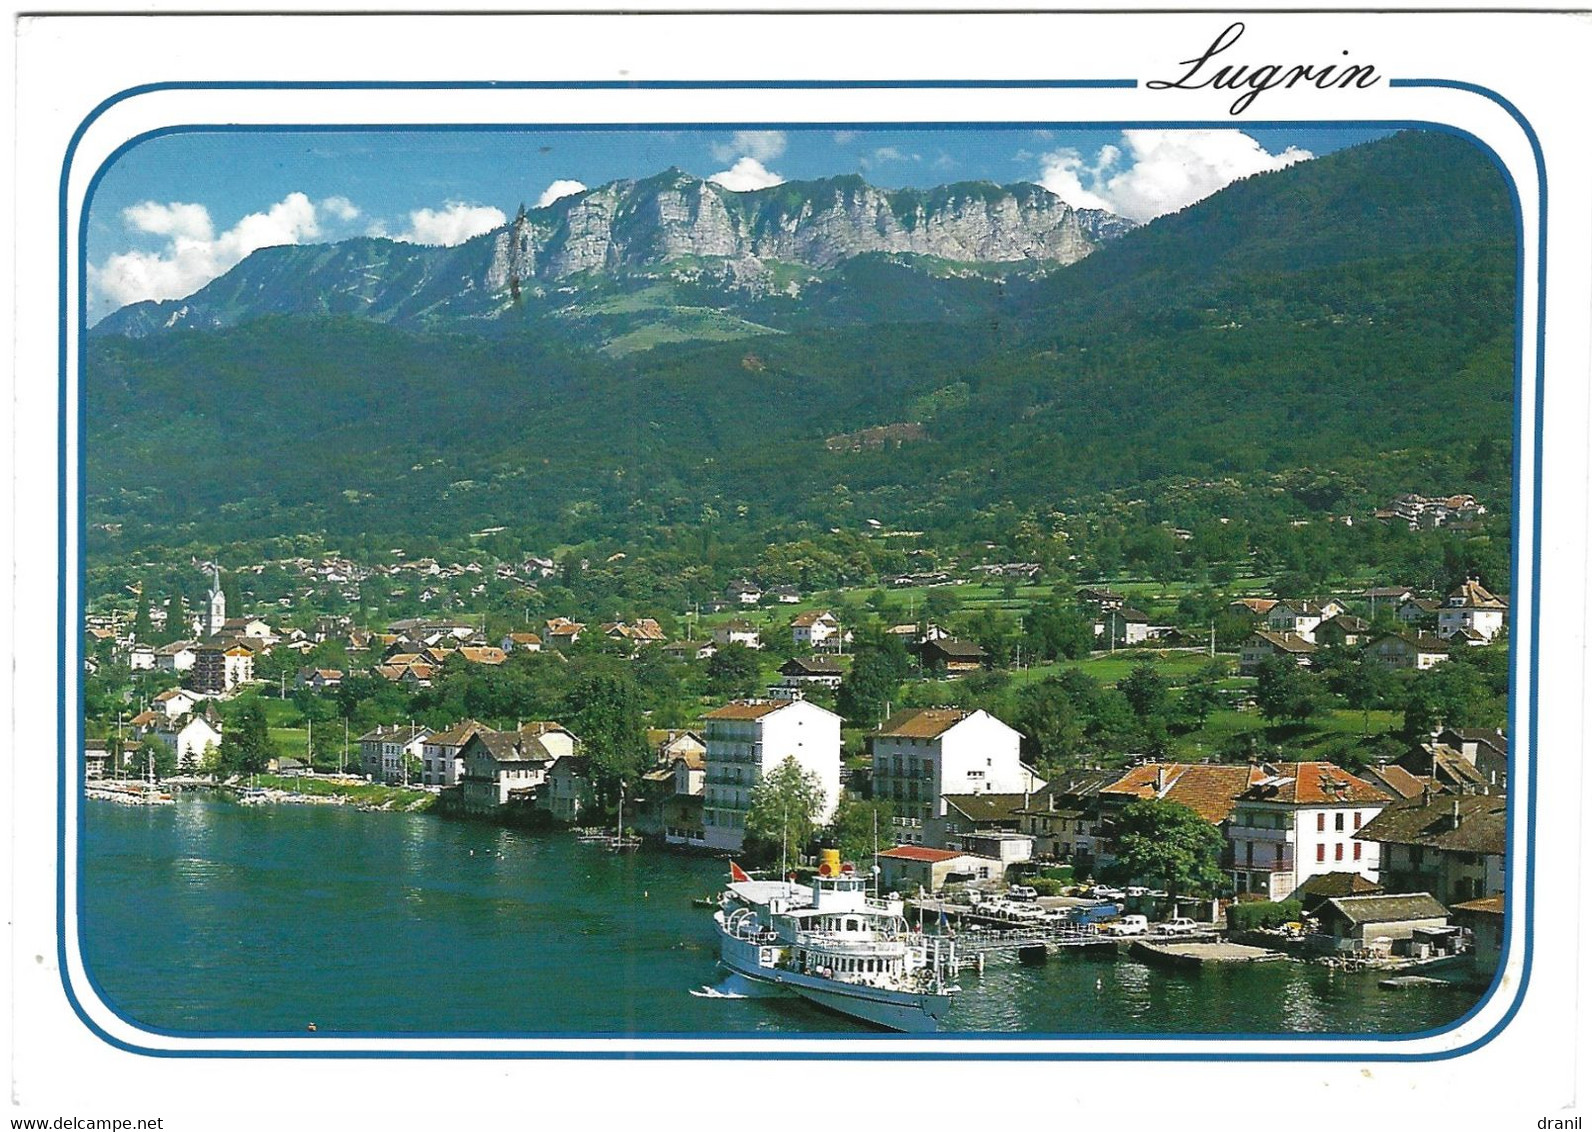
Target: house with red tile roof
pixel 909 868
pixel 1299 820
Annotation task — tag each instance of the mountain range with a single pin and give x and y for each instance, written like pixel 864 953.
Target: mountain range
pixel 670 232
pixel 1318 337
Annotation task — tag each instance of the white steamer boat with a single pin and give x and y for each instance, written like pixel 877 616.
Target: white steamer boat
pixel 839 947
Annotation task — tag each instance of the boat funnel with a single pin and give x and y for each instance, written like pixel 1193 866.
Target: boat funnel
pixel 829 862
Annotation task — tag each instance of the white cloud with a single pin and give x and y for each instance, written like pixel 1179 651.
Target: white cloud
pixel 745 175
pixel 453 224
pixel 193 255
pixel 557 190
pixel 764 145
pixel 1161 171
pixel 891 153
pixel 341 208
pixel 846 137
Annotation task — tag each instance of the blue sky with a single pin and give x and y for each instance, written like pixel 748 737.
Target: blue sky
pixel 176 211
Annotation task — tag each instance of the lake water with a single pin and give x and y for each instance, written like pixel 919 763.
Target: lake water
pixel 211 917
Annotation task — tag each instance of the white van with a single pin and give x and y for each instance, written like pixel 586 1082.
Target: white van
pixel 1022 892
pixel 1128 925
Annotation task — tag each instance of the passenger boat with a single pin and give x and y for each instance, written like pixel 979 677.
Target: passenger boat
pixel 837 946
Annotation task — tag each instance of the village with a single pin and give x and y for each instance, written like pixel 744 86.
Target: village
pixel 1396 858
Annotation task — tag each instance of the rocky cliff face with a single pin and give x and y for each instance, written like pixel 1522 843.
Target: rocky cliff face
pixel 641 227
pixel 631 225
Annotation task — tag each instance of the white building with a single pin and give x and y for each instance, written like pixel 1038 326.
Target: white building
pixel 1472 608
pixel 923 754
pixel 748 738
pixel 1299 821
pixel 817 629
pixel 190 739
pixel 175 702
pixel 1300 617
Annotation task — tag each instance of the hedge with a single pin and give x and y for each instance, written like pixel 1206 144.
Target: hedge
pixel 1263 914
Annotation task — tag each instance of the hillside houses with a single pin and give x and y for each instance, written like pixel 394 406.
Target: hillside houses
pixel 1263 644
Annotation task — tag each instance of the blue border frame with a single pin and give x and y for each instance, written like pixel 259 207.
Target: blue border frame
pixel 797 1054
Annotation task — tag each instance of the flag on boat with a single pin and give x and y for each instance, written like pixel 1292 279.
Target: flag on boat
pixel 738 874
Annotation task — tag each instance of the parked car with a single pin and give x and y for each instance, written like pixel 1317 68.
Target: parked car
pixel 1106 892
pixel 1136 890
pixel 1022 892
pixel 1178 925
pixel 1128 925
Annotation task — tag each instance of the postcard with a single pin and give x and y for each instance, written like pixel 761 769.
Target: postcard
pixel 768 558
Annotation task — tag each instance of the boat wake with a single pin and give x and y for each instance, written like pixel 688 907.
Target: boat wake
pixel 736 986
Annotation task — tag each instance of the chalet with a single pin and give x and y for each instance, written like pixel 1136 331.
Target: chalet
pixel 1471 609
pixel 527 642
pixel 488 655
pixel 785 595
pixel 1406 650
pixel 816 629
pixel 1124 626
pixel 1343 631
pixel 737 631
pixel 743 592
pixel 1103 600
pixel 1418 611
pixel 1452 846
pixel 1263 643
pixel 645 631
pixel 318 679
pixel 561 632
pixel 1392 596
pixel 1300 617
pixel 951 656
pixel 670 744
pixel 1297 821
pixel 502 768
pixel 174 703
pixel 1256 607
pixel 810 671
pixel 175 657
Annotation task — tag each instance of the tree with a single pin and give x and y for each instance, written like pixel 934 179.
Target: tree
pixel 143 626
pixel 1284 691
pixel 733 671
pixel 604 709
pixel 1170 845
pixel 1145 689
pixel 786 805
pixel 857 823
pixel 246 743
pixel 875 677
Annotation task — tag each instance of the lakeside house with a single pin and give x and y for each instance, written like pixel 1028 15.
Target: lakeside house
pixel 922 754
pixel 504 768
pixel 748 738
pixel 384 752
pixel 1452 846
pixel 1377 922
pixel 1298 821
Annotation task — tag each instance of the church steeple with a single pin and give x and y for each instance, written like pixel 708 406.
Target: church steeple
pixel 217 618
